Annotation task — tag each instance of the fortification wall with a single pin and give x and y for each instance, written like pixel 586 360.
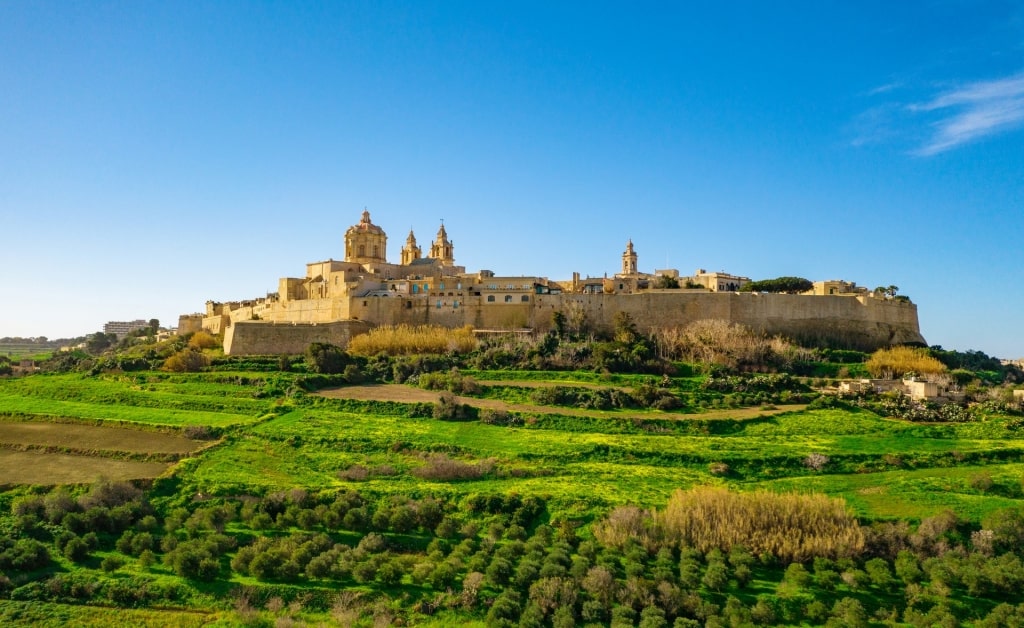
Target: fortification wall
pixel 266 338
pixel 862 322
pixel 189 323
pixel 865 323
pixel 470 310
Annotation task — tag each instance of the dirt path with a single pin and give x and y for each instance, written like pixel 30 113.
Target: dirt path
pixel 408 394
pixel 533 384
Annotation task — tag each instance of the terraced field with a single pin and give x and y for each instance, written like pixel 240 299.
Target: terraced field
pixel 246 461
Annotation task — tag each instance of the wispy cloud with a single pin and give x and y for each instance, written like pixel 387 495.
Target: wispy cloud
pixel 883 89
pixel 973 111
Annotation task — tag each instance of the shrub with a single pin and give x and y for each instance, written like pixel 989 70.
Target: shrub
pixel 729 345
pixel 448 409
pixel 718 468
pixel 816 461
pixel 203 340
pixel 327 358
pixel 186 361
pixel 441 468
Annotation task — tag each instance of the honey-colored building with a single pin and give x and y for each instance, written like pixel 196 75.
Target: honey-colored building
pixel 336 299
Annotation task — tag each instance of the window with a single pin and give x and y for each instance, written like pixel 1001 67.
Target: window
pixel 415 288
pixel 510 287
pixel 508 298
pixel 458 286
pixel 439 304
pixel 362 250
pixel 525 298
pixel 440 286
pixel 490 298
pixel 455 304
pixel 365 303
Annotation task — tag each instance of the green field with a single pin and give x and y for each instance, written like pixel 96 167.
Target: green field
pixel 266 438
pixel 306 440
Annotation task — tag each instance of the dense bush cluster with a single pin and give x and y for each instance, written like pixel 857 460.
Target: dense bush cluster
pixel 496 558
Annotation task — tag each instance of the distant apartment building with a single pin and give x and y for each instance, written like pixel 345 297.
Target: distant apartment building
pixel 123 328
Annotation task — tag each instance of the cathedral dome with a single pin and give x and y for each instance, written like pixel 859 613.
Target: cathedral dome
pixel 365 225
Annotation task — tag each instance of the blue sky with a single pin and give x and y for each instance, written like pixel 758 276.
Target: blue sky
pixel 156 155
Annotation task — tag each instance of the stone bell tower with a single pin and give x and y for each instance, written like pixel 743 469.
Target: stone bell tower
pixel 410 251
pixel 442 249
pixel 366 243
pixel 629 259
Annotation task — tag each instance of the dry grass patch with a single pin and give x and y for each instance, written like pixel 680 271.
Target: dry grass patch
pixel 93 438
pixel 898 361
pixel 30 467
pixel 413 340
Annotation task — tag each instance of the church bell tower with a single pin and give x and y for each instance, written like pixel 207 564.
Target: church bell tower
pixel 629 259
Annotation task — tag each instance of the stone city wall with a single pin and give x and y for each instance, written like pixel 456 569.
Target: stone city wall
pixel 263 338
pixel 862 322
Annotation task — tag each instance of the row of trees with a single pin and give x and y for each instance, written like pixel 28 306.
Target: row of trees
pixel 489 556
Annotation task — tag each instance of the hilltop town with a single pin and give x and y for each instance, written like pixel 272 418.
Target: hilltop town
pixel 338 299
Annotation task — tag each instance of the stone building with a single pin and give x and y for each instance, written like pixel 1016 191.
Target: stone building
pixel 338 298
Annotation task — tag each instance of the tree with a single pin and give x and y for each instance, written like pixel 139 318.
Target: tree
pixel 625 329
pixel 558 323
pixel 327 358
pixel 788 285
pixel 665 282
pixel 154 324
pixel 99 342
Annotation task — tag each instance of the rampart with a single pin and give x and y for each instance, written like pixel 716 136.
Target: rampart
pixel 263 338
pixel 861 322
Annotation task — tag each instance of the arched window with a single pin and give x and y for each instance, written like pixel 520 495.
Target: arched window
pixel 508 298
pixel 490 298
pixel 362 250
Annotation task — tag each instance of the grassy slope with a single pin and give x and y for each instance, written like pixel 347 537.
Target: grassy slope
pixel 884 468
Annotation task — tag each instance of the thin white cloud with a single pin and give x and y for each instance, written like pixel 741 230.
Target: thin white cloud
pixel 883 89
pixel 973 111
